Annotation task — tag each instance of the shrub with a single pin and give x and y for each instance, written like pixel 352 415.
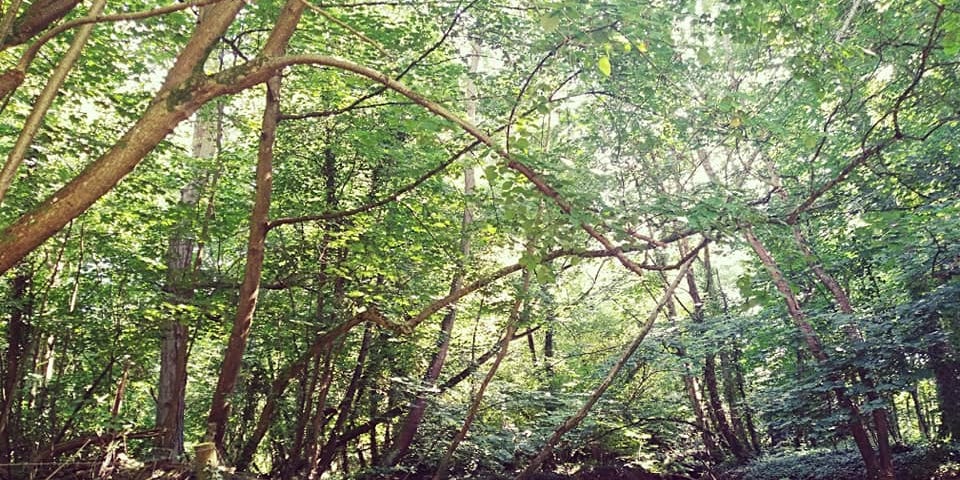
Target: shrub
pixel 934 462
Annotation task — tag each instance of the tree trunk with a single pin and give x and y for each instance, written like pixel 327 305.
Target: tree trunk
pixel 944 359
pixel 693 394
pixel 710 373
pixel 309 381
pixel 895 432
pixel 320 416
pixel 33 228
pixel 921 418
pixel 879 414
pixel 700 420
pixel 346 404
pixel 37 17
pixel 814 345
pixel 280 383
pixel 250 288
pixel 171 389
pixel 41 104
pixel 716 409
pixel 732 395
pixel 946 372
pixel 17 329
pixel 172 385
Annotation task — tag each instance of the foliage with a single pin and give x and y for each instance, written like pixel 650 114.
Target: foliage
pixel 929 461
pixel 620 133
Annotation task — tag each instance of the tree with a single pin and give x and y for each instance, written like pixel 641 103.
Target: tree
pixel 810 144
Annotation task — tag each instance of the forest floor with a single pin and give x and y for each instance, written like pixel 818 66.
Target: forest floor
pixel 940 462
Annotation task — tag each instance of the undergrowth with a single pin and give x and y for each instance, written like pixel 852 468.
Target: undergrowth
pixel 933 462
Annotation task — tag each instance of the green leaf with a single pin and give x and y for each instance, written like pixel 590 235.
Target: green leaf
pixel 604 65
pixel 549 23
pixel 703 56
pixel 490 172
pixel 544 274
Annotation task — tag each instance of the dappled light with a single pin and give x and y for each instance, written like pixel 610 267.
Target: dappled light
pixel 428 240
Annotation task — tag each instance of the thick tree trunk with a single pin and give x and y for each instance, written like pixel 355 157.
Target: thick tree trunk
pixel 172 385
pixel 171 389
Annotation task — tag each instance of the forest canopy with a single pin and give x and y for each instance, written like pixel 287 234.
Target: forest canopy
pixel 480 239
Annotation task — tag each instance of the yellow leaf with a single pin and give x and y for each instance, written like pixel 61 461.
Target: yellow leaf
pixel 604 65
pixel 642 46
pixel 735 122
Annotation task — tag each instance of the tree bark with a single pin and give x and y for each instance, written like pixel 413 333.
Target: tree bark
pixel 166 111
pixel 250 288
pixel 38 16
pixel 17 329
pixel 172 385
pixel 812 340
